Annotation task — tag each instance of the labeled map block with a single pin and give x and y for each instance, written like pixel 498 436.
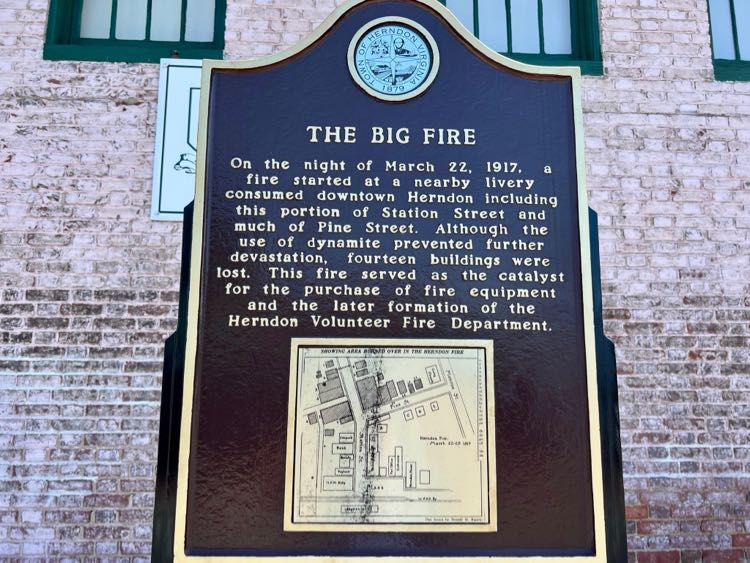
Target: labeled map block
pixel 389 435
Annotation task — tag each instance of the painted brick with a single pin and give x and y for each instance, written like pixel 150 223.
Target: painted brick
pixel 89 283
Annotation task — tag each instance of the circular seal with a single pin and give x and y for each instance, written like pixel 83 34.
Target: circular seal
pixel 393 58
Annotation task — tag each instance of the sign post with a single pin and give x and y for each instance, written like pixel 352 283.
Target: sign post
pixel 392 333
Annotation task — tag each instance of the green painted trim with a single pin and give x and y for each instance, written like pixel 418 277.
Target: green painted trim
pixel 112 22
pixel 75 29
pixel 59 22
pixel 125 54
pixel 585 41
pixel 476 18
pixel 589 68
pixel 64 44
pixel 710 29
pixel 508 26
pixel 220 18
pixel 735 32
pixel 183 19
pixel 728 69
pixel 731 70
pixel 149 9
pixel 540 24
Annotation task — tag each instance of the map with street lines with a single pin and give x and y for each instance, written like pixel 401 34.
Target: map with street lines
pixel 391 435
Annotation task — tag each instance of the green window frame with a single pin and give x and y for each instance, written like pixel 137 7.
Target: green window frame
pixel 64 41
pixel 584 35
pixel 730 41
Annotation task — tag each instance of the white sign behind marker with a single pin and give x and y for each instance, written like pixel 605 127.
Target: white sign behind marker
pixel 176 138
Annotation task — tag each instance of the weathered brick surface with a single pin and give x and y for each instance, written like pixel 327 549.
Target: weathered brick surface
pixel 88 282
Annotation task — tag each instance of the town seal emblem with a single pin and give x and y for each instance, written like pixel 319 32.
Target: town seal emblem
pixel 393 58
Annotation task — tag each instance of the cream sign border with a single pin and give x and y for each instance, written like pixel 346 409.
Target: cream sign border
pixel 197 266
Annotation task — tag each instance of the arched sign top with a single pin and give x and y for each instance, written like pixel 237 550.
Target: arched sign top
pixel 459 29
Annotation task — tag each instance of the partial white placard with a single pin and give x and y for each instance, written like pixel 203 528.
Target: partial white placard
pixel 176 138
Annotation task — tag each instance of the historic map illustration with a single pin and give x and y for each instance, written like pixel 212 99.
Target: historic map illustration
pixel 391 435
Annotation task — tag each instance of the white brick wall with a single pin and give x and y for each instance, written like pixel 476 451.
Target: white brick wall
pixel 88 282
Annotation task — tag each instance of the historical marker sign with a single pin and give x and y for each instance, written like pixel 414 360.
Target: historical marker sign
pixel 391 321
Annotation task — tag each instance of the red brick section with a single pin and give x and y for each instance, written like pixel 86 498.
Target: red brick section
pixel 659 557
pixel 88 282
pixel 687 556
